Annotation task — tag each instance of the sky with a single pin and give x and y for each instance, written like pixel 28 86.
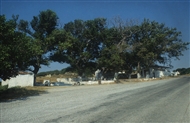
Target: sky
pixel 173 13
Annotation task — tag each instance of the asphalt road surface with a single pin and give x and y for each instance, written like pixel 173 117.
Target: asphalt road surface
pixel 160 101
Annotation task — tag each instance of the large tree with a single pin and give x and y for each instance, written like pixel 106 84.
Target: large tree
pixel 82 48
pixel 16 50
pixel 116 46
pixel 40 29
pixel 129 45
pixel 110 54
pixel 155 43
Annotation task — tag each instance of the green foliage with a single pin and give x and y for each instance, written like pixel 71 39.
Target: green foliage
pixel 43 25
pixel 140 46
pixel 111 58
pixel 16 49
pixel 23 48
pixel 183 71
pixel 91 44
pixel 85 45
pixel 154 42
pixel 57 72
pixel 80 46
pixel 112 54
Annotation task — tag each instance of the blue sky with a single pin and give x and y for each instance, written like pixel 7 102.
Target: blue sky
pixel 174 13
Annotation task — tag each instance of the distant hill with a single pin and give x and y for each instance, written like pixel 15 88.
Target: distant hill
pixel 56 72
pixel 68 71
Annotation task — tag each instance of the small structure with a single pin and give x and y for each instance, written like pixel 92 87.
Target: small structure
pixel 23 79
pixel 175 73
pixel 155 72
pixel 97 74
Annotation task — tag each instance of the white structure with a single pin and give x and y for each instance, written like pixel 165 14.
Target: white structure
pixel 156 72
pixel 96 82
pixel 98 74
pixel 20 80
pixel 69 80
pixel 46 82
pixel 73 81
pixel 175 73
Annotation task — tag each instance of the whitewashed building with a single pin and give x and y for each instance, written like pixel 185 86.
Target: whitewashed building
pixel 155 72
pixel 21 80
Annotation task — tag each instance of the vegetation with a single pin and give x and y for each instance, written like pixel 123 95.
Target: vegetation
pixel 42 27
pixel 80 46
pixel 183 71
pixel 85 45
pixel 64 73
pixel 57 72
pixel 16 48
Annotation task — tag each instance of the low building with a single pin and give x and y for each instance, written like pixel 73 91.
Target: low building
pixel 155 72
pixel 23 79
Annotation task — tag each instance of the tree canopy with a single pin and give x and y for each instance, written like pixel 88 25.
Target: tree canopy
pixel 86 44
pixel 16 50
pixel 155 43
pixel 82 46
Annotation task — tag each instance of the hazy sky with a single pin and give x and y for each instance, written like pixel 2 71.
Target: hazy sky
pixel 174 13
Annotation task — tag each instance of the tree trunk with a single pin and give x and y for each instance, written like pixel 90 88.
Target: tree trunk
pixel 130 76
pixel 99 81
pixel 35 71
pixel 138 67
pixel 34 80
pixel 130 71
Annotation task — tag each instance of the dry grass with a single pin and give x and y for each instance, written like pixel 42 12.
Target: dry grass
pixel 41 79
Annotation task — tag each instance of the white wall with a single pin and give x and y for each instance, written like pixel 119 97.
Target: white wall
pixel 96 82
pixel 160 74
pixel 73 80
pixel 69 80
pixel 20 80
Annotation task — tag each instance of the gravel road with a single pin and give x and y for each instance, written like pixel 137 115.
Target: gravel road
pixel 137 102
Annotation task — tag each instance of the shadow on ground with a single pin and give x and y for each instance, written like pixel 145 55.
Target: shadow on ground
pixel 19 93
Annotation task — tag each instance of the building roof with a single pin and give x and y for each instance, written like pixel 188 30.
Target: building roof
pixel 24 72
